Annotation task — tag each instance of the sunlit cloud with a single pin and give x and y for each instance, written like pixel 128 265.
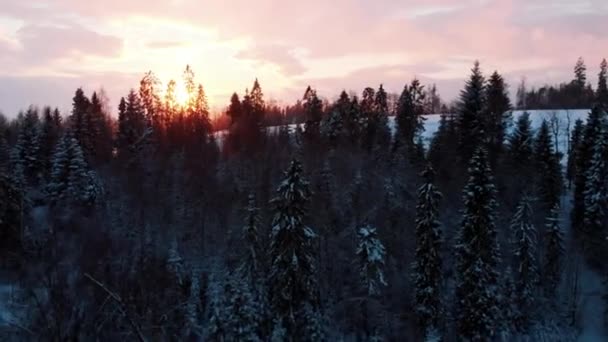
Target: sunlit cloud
pixel 286 44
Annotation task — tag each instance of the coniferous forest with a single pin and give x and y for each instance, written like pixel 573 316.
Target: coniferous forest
pixel 333 219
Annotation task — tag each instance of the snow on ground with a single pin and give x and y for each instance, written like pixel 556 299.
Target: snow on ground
pixel 563 118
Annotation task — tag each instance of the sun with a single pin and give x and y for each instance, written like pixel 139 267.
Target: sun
pixel 181 95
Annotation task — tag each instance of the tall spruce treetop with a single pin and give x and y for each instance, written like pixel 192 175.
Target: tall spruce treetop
pixel 470 123
pixel 25 157
pixel 410 122
pixel 477 255
pixel 292 279
pixel 526 272
pixel 427 276
pixel 602 87
pixel 381 112
pixel 497 114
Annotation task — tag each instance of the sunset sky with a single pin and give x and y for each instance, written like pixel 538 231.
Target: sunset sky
pixel 48 48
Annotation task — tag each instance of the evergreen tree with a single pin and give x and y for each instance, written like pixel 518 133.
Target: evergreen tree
pixel 292 277
pixel 50 133
pixel 477 255
pixel 251 264
pixel 332 128
pixel 26 164
pixel 371 254
pixel 526 275
pixel 71 180
pixel 79 117
pixel 382 134
pixel 585 152
pixel 497 116
pixel 602 87
pixel 216 329
pixel 596 190
pixel 470 122
pixel 131 121
pixel 427 276
pixel 410 122
pixel 313 109
pixel 554 253
pixel 352 117
pixel 243 313
pixel 575 145
pixel 548 168
pixel 520 152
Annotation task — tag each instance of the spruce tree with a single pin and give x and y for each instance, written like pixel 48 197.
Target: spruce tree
pixel 243 312
pixel 427 275
pixel 470 122
pixel 50 133
pixel 27 166
pixel 477 255
pixel 410 122
pixel 292 279
pixel 251 264
pixel 79 117
pixel 596 190
pixel 548 168
pixel 520 151
pixel 380 118
pixel 370 256
pixel 585 152
pixel 497 116
pixel 313 109
pixel 526 272
pixel 602 87
pixel 554 252
pixel 575 145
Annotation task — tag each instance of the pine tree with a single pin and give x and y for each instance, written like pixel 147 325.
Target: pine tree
pixel 427 276
pixel 526 273
pixel 470 123
pixel 602 87
pixel 497 116
pixel 410 122
pixel 477 255
pixel 554 252
pixel 548 168
pixel 131 121
pixel 292 277
pixel 351 112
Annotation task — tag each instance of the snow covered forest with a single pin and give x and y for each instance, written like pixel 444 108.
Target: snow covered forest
pixel 364 217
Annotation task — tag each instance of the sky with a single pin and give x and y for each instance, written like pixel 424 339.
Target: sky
pixel 49 48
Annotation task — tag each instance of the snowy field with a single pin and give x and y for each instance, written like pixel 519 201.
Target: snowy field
pixel 563 119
